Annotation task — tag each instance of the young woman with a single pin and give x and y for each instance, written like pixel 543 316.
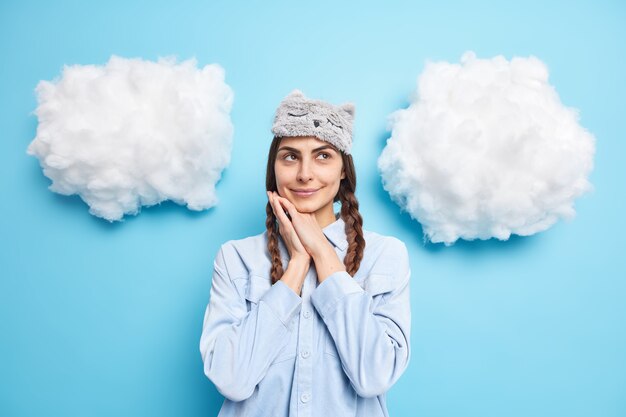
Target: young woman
pixel 312 317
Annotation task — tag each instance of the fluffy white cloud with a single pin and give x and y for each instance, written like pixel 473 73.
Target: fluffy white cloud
pixel 134 133
pixel 486 149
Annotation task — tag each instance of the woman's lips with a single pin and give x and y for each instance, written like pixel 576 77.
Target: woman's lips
pixel 304 193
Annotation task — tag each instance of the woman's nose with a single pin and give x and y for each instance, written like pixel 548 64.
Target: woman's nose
pixel 304 172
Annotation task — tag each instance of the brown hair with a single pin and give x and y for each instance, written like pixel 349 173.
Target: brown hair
pixel 349 213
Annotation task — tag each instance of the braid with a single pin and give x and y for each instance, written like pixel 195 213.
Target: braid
pixel 354 230
pixel 272 244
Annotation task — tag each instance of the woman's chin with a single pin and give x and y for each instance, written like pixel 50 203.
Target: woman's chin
pixel 305 208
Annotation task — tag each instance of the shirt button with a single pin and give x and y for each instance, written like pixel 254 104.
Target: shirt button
pixel 307 314
pixel 305 354
pixel 305 397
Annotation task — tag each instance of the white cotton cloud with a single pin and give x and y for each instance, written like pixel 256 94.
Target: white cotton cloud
pixel 135 133
pixel 486 149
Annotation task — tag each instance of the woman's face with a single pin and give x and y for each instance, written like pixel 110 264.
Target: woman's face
pixel 308 163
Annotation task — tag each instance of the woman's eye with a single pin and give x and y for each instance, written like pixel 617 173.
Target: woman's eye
pixel 286 156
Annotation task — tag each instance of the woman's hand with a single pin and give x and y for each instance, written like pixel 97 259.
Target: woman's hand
pixel 304 229
pixel 285 227
pixel 304 226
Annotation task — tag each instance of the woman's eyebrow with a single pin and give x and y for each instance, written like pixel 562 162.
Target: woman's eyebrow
pixel 289 148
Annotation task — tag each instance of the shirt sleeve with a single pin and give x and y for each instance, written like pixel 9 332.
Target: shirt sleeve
pixel 372 339
pixel 237 345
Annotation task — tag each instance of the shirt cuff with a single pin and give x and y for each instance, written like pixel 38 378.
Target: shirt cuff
pixel 283 301
pixel 335 287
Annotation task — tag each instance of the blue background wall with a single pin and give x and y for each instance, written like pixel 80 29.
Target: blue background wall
pixel 100 319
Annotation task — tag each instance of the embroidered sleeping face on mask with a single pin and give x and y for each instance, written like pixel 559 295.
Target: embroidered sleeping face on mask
pixel 318 116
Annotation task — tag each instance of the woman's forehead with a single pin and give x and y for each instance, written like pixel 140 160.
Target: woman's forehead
pixel 303 142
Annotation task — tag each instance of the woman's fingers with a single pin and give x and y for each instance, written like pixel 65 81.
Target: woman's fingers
pixel 291 209
pixel 305 225
pixel 272 201
pixel 279 212
pixel 287 229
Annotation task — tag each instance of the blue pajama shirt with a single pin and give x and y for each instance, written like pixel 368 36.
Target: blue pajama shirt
pixel 333 351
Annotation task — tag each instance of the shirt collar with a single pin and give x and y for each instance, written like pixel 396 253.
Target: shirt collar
pixel 336 233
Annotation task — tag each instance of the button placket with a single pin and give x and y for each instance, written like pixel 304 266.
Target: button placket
pixel 305 342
